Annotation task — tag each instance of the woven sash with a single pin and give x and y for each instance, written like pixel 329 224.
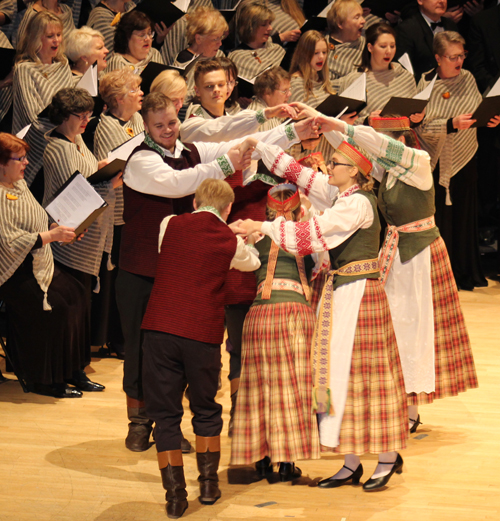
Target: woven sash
pixel 391 242
pixel 283 284
pixel 322 401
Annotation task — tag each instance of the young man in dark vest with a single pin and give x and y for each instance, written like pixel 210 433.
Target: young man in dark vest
pixel 158 176
pixel 184 327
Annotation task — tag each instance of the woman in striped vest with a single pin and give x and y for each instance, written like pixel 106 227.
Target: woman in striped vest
pixel 133 43
pixel 384 78
pixel 47 331
pixel 358 380
pixel 41 70
pixel 447 134
pixel 84 47
pixel 65 154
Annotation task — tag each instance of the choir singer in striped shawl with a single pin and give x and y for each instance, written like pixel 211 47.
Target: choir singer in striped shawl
pixel 447 134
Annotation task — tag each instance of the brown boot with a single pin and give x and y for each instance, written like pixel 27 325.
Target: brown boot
pixel 139 428
pixel 235 384
pixel 172 477
pixel 208 457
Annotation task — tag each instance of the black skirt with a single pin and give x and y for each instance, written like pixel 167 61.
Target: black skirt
pixel 458 225
pixel 46 346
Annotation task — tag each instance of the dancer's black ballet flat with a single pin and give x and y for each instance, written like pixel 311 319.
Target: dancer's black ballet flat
pixel 288 472
pixel 416 423
pixel 264 467
pixel 335 482
pixel 378 483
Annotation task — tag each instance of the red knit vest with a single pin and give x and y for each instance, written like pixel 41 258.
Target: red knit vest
pixel 143 214
pixel 249 203
pixel 188 294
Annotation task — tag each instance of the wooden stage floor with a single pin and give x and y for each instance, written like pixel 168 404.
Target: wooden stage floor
pixel 65 460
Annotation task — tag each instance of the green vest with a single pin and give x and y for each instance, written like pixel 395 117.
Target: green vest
pixel 286 268
pixel 363 244
pixel 404 204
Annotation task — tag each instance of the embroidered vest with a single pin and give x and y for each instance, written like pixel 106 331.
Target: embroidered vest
pixel 188 294
pixel 143 214
pixel 361 245
pixel 403 204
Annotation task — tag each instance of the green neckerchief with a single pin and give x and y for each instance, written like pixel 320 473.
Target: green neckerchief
pixel 210 209
pixel 152 144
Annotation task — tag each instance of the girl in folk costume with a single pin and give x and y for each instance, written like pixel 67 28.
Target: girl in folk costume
pixel 432 337
pixel 359 387
pixel 275 392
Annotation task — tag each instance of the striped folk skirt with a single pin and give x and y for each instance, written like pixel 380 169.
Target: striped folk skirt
pixel 375 417
pixel 454 363
pixel 274 415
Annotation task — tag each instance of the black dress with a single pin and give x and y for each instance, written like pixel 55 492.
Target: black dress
pixel 46 346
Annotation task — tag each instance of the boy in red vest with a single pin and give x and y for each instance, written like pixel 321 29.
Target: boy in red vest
pixel 184 327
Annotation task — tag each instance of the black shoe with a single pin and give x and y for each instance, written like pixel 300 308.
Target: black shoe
pixel 55 390
pixel 81 381
pixel 415 425
pixel 185 446
pixel 264 467
pixel 288 472
pixel 378 483
pixel 335 482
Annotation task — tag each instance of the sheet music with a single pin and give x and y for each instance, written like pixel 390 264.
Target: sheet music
pixel 325 10
pixel 357 90
pixel 75 203
pixel 406 62
pixel 89 81
pixel 182 5
pixel 426 93
pixel 23 131
pixel 495 90
pixel 123 151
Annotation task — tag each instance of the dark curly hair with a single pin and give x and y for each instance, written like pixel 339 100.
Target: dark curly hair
pixel 130 22
pixel 69 101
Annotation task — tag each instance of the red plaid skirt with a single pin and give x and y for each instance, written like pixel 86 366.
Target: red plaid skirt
pixel 274 415
pixel 375 417
pixel 454 363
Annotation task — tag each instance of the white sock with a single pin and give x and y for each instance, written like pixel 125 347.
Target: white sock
pixel 352 462
pixel 412 414
pixel 383 470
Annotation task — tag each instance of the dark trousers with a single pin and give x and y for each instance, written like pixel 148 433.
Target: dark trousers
pixel 169 363
pixel 132 296
pixel 235 317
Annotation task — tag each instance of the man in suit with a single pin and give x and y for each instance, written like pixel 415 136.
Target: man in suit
pixel 415 35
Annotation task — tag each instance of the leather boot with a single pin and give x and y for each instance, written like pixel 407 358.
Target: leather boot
pixel 139 428
pixel 172 477
pixel 207 458
pixel 235 384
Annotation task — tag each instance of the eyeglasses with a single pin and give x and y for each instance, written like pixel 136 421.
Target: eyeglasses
pixel 145 36
pixel 285 92
pixel 82 117
pixel 232 83
pixel 334 163
pixel 457 57
pixel 23 159
pixel 134 91
pixel 215 40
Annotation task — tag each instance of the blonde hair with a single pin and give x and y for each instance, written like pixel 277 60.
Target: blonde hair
pixel 31 41
pixel 445 38
pixel 204 20
pixel 339 12
pixel 292 8
pixel 214 192
pixel 117 83
pixel 251 16
pixel 80 41
pixel 169 82
pixel 283 195
pixel 301 62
